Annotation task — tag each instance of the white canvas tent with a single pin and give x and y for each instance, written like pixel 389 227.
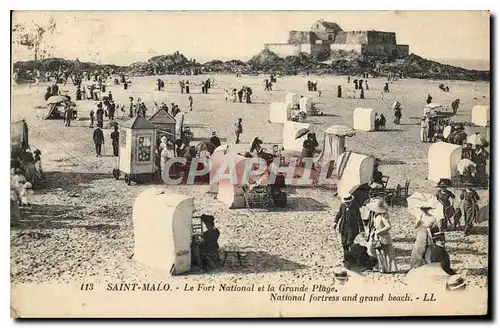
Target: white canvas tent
pixel 443 159
pixel 162 230
pixel 305 105
pixel 230 191
pixel 289 130
pixel 480 115
pixel 292 99
pixel 279 112
pixel 333 145
pixel 353 170
pixel 364 119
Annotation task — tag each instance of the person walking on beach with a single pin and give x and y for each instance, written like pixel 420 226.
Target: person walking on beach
pixel 469 198
pixel 238 130
pixel 339 91
pixel 100 115
pixel 115 138
pixel 92 118
pixel 423 129
pixel 98 141
pixel 190 103
pixel 349 223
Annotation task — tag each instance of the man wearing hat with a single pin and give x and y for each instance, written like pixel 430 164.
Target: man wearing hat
pixel 436 253
pixel 239 130
pixel 215 140
pixel 446 198
pixel 348 219
pixel 209 247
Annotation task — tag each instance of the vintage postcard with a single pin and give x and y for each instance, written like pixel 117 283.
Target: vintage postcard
pixel 250 164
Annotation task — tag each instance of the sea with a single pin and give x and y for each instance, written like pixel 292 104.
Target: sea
pixel 477 64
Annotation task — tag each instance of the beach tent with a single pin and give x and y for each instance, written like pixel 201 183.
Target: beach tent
pixel 279 112
pixel 305 105
pixel 19 135
pixel 230 190
pixel 162 230
pixel 292 99
pixel 432 108
pixel 333 145
pixel 364 119
pixel 443 159
pixel 353 170
pixel 290 129
pixel 480 115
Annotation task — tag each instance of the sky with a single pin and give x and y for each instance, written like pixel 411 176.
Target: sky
pixel 121 37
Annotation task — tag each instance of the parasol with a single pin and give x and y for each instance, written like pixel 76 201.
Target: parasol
pixel 341 131
pixel 418 199
pixel 56 99
pixel 466 164
pixel 447 131
pixel 477 139
pixel 202 146
pixel 302 132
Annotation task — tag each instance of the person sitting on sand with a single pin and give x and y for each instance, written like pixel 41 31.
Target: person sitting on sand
pixel 209 246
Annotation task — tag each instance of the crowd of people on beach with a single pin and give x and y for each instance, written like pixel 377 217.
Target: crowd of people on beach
pixel 363 222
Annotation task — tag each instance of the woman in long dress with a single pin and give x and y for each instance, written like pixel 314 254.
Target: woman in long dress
pixel 380 237
pixel 426 223
pixel 469 199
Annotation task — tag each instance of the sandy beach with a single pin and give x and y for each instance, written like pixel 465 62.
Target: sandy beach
pixel 80 224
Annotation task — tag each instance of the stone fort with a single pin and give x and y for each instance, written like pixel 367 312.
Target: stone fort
pixel 330 36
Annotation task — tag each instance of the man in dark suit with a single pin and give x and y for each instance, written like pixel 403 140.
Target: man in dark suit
pixel 215 140
pixel 98 141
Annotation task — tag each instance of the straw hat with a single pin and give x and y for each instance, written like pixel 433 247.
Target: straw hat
pixel 28 185
pixel 455 282
pixel 340 274
pixel 439 236
pixel 347 199
pixel 378 206
pixel 214 133
pixel 444 183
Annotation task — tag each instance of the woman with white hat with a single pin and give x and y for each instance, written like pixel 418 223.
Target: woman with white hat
pixel 380 237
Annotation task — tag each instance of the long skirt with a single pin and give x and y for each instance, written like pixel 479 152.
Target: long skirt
pixel 422 242
pixel 471 214
pixel 386 257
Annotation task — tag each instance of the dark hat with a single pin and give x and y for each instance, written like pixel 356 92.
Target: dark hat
pixel 37 151
pixel 340 274
pixel 18 170
pixel 207 219
pixel 347 199
pixel 439 236
pixel 99 105
pixel 444 183
pixel 426 207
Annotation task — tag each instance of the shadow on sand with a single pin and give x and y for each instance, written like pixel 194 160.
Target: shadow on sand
pixel 294 204
pixel 50 217
pixel 253 262
pixel 71 181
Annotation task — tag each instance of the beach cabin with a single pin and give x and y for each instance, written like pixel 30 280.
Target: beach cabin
pixel 279 112
pixel 290 129
pixel 305 105
pixel 480 115
pixel 164 123
pixel 364 119
pixel 333 146
pixel 353 170
pixel 292 99
pixel 136 159
pixel 443 159
pixel 162 230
